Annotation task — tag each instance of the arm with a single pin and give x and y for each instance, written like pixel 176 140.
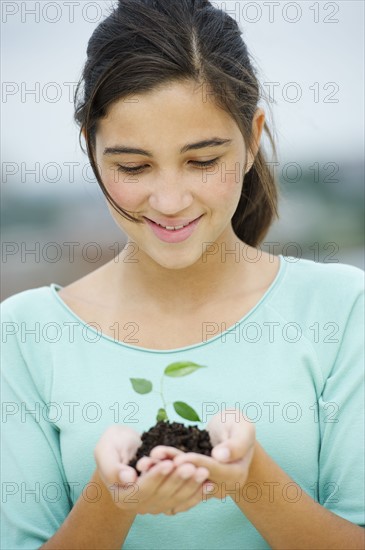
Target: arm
pixel 286 520
pixel 331 522
pixel 288 524
pixel 35 494
pixel 105 522
pixel 100 524
pixel 37 506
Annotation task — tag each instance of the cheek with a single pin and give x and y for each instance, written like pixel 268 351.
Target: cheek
pixel 125 189
pixel 227 188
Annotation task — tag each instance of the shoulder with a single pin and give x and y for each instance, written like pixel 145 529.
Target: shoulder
pixel 328 278
pixel 25 302
pixel 28 353
pixel 319 291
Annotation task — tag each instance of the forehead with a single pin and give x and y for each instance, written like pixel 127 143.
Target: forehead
pixel 177 108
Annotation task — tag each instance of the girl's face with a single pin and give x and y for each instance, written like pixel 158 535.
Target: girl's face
pixel 172 157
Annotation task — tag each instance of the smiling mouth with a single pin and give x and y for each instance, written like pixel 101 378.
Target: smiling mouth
pixel 174 235
pixel 173 227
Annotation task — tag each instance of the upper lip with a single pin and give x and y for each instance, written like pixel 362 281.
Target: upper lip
pixel 173 223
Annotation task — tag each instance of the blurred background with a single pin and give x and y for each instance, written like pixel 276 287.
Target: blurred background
pixel 55 223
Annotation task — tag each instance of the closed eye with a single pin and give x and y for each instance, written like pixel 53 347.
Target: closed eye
pixel 139 169
pixel 205 163
pixel 129 170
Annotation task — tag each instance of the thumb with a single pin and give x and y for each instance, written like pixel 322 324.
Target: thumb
pixel 239 442
pixel 127 474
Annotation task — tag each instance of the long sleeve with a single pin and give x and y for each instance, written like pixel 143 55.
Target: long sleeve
pixel 35 495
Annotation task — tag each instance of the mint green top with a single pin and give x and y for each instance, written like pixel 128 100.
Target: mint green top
pixel 293 364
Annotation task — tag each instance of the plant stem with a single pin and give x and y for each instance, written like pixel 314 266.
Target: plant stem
pixel 163 400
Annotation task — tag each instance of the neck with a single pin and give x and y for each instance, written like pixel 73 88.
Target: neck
pixel 218 269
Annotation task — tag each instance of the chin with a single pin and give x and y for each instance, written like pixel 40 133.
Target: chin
pixel 173 261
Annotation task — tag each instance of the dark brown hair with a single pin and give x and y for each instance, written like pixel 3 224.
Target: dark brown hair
pixel 144 44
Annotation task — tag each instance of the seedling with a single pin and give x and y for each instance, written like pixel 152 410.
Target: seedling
pixel 174 370
pixel 174 434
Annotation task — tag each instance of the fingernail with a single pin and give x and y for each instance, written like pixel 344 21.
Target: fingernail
pixel 208 488
pixel 222 453
pixel 166 468
pixel 200 478
pixel 185 475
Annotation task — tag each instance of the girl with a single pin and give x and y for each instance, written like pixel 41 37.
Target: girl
pixel 169 111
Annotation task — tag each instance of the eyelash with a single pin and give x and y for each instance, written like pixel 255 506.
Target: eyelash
pixel 139 169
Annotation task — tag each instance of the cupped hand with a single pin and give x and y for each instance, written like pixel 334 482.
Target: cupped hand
pixel 233 438
pixel 165 488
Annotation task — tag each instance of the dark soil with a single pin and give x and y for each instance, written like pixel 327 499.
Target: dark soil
pixel 173 434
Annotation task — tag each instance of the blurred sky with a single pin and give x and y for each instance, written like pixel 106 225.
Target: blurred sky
pixel 306 43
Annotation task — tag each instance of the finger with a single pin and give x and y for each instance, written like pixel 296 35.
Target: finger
pixel 116 447
pixel 162 451
pixel 235 447
pixel 178 478
pixel 147 486
pixel 191 480
pixel 185 471
pixel 189 471
pixel 179 487
pixel 122 438
pixel 189 501
pixel 194 458
pixel 127 474
pixel 110 466
pixel 145 463
pixel 201 475
pixel 233 438
pixel 129 444
pixel 217 471
pixel 218 430
pixel 150 481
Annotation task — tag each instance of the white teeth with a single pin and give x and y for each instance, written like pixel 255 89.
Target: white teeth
pixel 172 228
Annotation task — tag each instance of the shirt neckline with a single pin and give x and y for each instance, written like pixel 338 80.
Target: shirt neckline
pixel 54 287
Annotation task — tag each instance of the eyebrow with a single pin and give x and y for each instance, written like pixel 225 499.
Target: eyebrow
pixel 214 142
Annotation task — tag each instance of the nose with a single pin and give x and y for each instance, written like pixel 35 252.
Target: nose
pixel 170 197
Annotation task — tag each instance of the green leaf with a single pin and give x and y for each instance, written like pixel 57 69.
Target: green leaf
pixel 140 385
pixel 161 415
pixel 182 368
pixel 185 411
